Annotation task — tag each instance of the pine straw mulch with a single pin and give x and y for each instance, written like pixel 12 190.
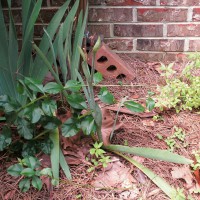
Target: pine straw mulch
pixel 137 131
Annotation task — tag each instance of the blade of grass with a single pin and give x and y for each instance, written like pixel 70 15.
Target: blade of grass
pixel 65 166
pixel 62 58
pixel 160 182
pixel 47 63
pixel 27 9
pixel 78 42
pixel 157 154
pixel 51 29
pixel 13 54
pixel 28 32
pixel 55 153
pixel 5 85
pixel 52 51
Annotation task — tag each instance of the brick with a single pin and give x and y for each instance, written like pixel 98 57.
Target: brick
pixel 110 15
pixel 134 30
pixel 183 30
pixel 111 66
pixel 45 15
pixel 123 2
pixel 153 57
pixel 119 44
pixel 160 45
pixel 57 2
pixel 196 14
pixel 194 45
pixel 99 29
pixel 16 14
pixel 38 30
pixel 18 3
pixel 161 15
pixel 179 2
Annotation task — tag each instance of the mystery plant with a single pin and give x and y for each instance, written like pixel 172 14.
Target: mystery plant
pixel 120 149
pixel 182 90
pixel 28 168
pixel 28 105
pixel 19 63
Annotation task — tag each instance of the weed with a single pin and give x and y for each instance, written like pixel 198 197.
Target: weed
pixel 182 90
pixel 28 168
pixel 98 158
pixel 158 118
pixel 179 195
pixel 171 141
pixel 197 159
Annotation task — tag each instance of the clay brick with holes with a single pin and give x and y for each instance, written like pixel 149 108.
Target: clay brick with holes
pixel 110 65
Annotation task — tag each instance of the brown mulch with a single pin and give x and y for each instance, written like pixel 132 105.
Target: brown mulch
pixel 137 131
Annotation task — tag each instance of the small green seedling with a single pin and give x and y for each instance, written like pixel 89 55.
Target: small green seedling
pixel 28 168
pixel 179 195
pixel 159 136
pixel 171 141
pixel 98 158
pixel 181 90
pixel 158 118
pixel 197 158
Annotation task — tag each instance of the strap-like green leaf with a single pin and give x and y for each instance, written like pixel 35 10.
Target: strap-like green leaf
pixel 55 153
pixel 65 166
pixel 44 47
pixel 157 154
pixel 79 34
pixel 160 182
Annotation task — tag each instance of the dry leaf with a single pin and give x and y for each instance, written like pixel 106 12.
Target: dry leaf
pixel 148 123
pixel 183 173
pixel 107 125
pixel 10 195
pixel 130 194
pixel 156 66
pixel 48 78
pixel 140 176
pixel 126 111
pixel 118 176
pixel 76 155
pixel 197 176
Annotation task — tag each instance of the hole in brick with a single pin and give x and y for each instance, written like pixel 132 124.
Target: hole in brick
pixel 111 68
pixel 121 76
pixel 102 59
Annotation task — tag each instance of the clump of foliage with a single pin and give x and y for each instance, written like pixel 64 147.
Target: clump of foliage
pixel 35 119
pixel 98 157
pixel 176 140
pixel 196 165
pixel 29 169
pixel 182 89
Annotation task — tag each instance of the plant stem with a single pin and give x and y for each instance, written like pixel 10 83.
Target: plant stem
pixel 41 134
pixel 114 125
pixel 141 85
pixel 32 102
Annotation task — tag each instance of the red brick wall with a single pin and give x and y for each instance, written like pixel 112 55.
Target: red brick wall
pixel 49 7
pixel 152 30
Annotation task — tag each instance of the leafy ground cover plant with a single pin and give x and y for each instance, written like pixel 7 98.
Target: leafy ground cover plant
pixel 30 108
pixel 28 168
pixel 182 90
pixel 98 157
pixel 120 149
pixel 37 114
pixel 176 140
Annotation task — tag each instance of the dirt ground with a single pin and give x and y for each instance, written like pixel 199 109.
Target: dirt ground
pixel 135 130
